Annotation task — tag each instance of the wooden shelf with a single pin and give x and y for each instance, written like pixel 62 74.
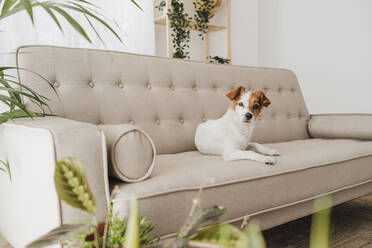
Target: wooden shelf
pixel 161 20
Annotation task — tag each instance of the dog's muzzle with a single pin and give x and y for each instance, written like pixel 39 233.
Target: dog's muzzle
pixel 248 116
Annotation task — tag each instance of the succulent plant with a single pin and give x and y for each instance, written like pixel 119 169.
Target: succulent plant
pixel 72 185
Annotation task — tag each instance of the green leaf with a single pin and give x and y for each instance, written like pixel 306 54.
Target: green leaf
pixel 81 9
pixel 51 14
pixel 321 223
pixel 72 185
pixel 135 3
pixel 132 234
pixel 200 218
pixel 28 7
pixel 57 236
pixel 223 235
pixel 7 5
pixel 255 237
pixel 72 22
pixel 9 101
pixel 7 168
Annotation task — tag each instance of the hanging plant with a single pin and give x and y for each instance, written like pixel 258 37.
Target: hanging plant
pixel 180 24
pixel 218 60
pixel 161 5
pixel 204 10
pixel 211 6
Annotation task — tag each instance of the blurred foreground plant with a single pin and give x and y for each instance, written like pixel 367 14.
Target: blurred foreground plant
pixel 72 187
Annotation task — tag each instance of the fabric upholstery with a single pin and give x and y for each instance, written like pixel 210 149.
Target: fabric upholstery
pixel 341 126
pixel 131 152
pixel 167 98
pixel 86 143
pixel 306 169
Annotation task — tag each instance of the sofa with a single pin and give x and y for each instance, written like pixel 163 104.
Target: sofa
pixel 99 91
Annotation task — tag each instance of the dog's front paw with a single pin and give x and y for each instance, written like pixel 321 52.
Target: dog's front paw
pixel 268 160
pixel 273 152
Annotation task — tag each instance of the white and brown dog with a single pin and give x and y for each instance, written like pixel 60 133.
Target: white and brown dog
pixel 230 135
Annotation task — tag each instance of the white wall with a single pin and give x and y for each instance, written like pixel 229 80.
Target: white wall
pixel 327 43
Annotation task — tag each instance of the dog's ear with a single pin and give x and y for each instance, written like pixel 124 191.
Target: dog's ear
pixel 262 98
pixel 234 94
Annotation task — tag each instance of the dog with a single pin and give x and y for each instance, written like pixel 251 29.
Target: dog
pixel 230 135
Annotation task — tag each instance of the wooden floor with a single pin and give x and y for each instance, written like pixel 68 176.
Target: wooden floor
pixel 351 228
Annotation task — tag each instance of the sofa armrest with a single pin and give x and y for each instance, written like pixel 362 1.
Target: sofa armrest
pixel 341 126
pixel 29 204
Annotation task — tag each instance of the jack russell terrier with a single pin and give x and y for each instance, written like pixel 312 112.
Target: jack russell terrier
pixel 230 136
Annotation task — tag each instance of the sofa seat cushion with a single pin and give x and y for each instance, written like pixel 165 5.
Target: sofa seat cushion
pixel 306 169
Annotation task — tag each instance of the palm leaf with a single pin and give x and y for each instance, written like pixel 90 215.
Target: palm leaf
pixel 28 7
pixel 80 8
pixel 72 21
pixel 6 169
pixel 51 14
pixel 56 236
pixel 134 2
pixel 72 185
pixel 7 5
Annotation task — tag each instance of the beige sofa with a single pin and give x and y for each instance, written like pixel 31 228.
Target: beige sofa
pixel 168 98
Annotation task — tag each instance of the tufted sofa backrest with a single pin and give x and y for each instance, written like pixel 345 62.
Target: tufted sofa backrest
pixel 165 97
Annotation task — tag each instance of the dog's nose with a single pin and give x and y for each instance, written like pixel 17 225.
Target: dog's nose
pixel 248 116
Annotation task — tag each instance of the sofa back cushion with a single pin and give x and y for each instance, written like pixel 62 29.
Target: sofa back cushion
pixel 167 98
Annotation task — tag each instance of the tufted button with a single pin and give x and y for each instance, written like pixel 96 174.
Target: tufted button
pixel 259 118
pixel 293 89
pixel 172 88
pixel 204 119
pixel 56 84
pixel 274 117
pixel 265 89
pixel 100 123
pixel 280 90
pixel 120 85
pixel 182 121
pixel 214 87
pixel 288 116
pixel 131 122
pixel 148 86
pixel 91 85
pixel 157 121
pixel 194 88
pixel 300 115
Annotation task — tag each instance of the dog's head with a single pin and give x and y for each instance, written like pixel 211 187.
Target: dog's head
pixel 246 104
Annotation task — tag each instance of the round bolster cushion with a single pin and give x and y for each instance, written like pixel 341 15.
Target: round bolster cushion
pixel 131 152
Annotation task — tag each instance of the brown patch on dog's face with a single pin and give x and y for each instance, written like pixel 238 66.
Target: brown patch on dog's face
pixel 257 102
pixel 235 95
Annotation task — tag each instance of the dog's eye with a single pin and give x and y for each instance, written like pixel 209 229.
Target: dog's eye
pixel 241 104
pixel 255 106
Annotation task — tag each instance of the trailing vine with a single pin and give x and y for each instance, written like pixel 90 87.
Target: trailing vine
pixel 161 5
pixel 218 60
pixel 180 24
pixel 201 17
